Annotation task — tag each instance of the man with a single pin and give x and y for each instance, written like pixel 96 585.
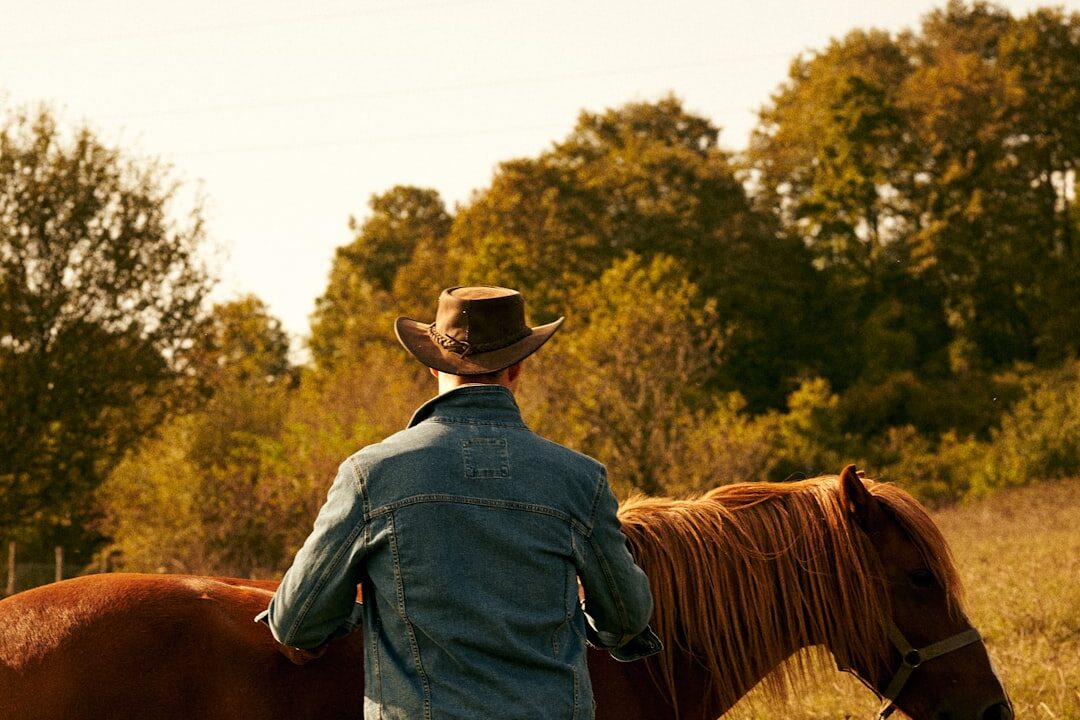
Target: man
pixel 468 535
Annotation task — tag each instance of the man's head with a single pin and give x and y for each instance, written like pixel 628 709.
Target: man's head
pixel 479 335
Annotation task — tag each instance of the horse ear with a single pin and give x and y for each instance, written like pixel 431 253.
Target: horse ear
pixel 859 503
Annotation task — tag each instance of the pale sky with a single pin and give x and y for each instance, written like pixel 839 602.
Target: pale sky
pixel 291 115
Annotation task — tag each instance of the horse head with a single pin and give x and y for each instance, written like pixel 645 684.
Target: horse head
pixel 934 665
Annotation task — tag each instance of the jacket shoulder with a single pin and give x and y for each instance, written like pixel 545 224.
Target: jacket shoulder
pixel 585 464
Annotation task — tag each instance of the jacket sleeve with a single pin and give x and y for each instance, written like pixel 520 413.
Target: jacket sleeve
pixel 618 601
pixel 316 600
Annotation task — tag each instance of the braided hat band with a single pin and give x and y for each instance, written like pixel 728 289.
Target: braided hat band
pixel 465 349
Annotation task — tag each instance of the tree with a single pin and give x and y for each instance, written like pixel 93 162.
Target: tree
pixel 980 234
pixel 151 507
pixel 1043 51
pixel 648 179
pixel 997 105
pixel 404 236
pixel 928 174
pixel 213 463
pixel 240 341
pixel 835 158
pixel 623 382
pixel 833 153
pixel 100 289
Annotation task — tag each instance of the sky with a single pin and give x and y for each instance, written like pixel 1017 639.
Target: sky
pixel 287 117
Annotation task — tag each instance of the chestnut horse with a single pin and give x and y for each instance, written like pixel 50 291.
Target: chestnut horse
pixel 751 582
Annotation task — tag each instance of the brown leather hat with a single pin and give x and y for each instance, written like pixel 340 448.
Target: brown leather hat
pixel 477 330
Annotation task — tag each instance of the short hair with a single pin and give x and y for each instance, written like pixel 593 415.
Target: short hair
pixel 491 378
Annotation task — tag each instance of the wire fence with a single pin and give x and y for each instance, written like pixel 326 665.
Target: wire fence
pixel 18 576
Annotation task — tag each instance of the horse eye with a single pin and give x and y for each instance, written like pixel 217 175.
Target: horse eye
pixel 921 578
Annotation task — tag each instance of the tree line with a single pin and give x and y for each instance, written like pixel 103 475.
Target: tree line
pixel 889 274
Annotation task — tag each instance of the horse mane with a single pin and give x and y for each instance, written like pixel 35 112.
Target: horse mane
pixel 751 570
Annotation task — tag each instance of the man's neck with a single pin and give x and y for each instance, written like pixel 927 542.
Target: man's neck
pixel 507 378
pixel 452 382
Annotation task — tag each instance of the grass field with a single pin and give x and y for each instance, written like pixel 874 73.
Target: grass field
pixel 1019 555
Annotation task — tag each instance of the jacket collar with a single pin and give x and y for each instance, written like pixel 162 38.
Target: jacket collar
pixel 481 404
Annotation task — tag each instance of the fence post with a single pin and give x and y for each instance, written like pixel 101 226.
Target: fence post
pixel 11 568
pixel 59 563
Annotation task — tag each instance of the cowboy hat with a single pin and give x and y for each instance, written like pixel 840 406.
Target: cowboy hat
pixel 477 330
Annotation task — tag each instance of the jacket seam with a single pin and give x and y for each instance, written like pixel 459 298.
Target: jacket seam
pixel 605 567
pixel 446 420
pixel 480 502
pixel 320 584
pixel 577 693
pixel 413 645
pixel 609 578
pixel 377 660
pixel 361 486
pixel 568 609
pixel 595 505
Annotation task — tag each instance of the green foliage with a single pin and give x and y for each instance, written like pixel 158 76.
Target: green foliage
pixel 808 438
pixel 151 506
pixel 928 173
pixel 834 156
pixel 1039 438
pixel 1043 52
pixel 100 290
pixel 211 462
pixel 242 478
pixel 397 260
pixel 620 381
pixel 401 219
pixel 938 471
pixel 240 341
pixel 720 445
pixel 646 179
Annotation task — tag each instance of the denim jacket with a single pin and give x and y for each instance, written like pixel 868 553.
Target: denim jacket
pixel 468 533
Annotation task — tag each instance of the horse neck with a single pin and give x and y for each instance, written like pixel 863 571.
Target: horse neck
pixel 699 695
pixel 741 586
pixel 694 697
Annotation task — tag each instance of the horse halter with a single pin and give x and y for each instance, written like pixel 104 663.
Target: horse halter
pixel 912 658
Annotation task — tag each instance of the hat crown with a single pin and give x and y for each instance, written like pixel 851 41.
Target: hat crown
pixel 481 317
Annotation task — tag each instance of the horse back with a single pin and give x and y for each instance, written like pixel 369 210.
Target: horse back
pixel 161 647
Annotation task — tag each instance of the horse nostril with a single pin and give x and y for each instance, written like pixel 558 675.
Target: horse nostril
pixel 997 711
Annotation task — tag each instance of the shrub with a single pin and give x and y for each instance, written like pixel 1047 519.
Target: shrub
pixel 1040 436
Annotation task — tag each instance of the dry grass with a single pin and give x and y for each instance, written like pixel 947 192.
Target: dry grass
pixel 1019 555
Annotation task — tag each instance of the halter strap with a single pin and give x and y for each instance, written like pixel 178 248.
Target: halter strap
pixel 912 658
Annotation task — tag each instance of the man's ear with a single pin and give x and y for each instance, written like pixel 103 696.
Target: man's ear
pixel 860 505
pixel 514 371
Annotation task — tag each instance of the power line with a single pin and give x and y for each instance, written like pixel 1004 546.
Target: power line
pixel 222 27
pixel 376 140
pixel 458 87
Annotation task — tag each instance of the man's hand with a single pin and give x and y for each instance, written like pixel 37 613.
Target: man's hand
pixel 299 656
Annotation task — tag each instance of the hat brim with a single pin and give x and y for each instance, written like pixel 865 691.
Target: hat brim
pixel 413 335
